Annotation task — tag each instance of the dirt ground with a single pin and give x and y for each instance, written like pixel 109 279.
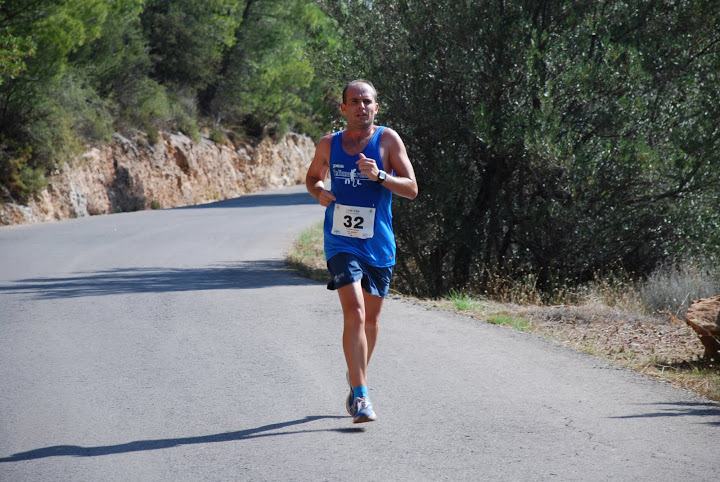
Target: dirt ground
pixel 614 334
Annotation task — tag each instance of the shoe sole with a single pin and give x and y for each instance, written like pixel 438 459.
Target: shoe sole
pixel 365 418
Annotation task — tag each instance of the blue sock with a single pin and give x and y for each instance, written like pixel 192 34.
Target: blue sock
pixel 360 391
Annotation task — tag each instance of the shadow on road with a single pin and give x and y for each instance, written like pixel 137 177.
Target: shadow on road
pixel 240 275
pixel 682 409
pixel 143 445
pixel 260 200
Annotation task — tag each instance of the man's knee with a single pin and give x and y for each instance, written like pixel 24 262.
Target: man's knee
pixel 354 315
pixel 372 321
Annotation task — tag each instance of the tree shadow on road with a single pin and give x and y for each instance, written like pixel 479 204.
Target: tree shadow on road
pixel 260 200
pixel 158 444
pixel 682 409
pixel 240 275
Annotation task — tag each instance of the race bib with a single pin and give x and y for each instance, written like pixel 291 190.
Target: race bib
pixel 353 221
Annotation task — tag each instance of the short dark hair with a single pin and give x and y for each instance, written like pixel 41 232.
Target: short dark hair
pixel 358 81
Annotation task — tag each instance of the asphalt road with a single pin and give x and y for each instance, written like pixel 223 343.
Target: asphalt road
pixel 174 345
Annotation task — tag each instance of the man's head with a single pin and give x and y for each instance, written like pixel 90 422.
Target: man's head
pixel 359 104
pixel 355 82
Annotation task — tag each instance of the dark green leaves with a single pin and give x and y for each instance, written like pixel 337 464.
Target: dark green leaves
pixel 555 138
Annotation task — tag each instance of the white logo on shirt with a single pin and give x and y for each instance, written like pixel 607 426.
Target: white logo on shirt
pixel 353 177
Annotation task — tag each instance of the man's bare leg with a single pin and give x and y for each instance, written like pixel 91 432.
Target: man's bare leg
pixel 355 341
pixel 361 313
pixel 373 305
pixel 359 339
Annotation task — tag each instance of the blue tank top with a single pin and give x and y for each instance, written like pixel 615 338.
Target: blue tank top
pixel 352 188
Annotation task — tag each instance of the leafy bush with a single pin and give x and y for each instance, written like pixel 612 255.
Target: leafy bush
pixel 146 105
pixel 19 177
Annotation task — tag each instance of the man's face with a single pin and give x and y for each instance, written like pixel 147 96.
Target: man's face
pixel 360 106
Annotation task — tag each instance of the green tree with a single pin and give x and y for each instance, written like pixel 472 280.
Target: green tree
pixel 553 139
pixel 268 79
pixel 37 116
pixel 188 39
pixel 117 68
pixel 13 51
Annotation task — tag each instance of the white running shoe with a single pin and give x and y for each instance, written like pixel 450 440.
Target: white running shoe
pixel 363 409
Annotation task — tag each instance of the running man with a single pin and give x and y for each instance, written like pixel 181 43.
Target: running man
pixel 359 238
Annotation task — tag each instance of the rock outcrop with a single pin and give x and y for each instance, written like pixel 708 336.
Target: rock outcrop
pixel 703 316
pixel 130 175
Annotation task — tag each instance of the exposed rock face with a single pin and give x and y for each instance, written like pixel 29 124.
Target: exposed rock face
pixel 130 175
pixel 703 316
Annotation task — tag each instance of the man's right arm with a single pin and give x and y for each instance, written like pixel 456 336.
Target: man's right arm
pixel 318 171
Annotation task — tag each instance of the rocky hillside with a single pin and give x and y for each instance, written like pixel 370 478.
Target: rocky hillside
pixel 134 174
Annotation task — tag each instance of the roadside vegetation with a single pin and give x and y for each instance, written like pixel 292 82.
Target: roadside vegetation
pixel 624 323
pixel 74 72
pixel 307 256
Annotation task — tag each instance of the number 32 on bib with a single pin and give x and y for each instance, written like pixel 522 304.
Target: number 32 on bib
pixel 353 221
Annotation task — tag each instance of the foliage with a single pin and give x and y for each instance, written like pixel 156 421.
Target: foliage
pixel 15 170
pixel 461 301
pixel 307 255
pixel 42 100
pixel 554 139
pixel 13 51
pixel 116 67
pixel 73 71
pixel 269 75
pixel 512 321
pixel 188 39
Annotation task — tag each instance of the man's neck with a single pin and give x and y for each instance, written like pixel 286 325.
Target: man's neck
pixel 356 134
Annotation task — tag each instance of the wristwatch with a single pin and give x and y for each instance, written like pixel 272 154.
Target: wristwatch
pixel 381 177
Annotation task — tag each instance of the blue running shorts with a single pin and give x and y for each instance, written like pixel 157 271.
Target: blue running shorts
pixel 347 268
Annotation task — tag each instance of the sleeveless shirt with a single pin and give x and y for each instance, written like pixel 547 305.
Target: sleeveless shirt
pixel 352 188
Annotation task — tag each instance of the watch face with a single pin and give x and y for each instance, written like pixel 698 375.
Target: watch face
pixel 381 176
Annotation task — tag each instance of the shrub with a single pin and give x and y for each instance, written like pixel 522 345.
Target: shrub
pixel 216 136
pixel 21 179
pixel 673 286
